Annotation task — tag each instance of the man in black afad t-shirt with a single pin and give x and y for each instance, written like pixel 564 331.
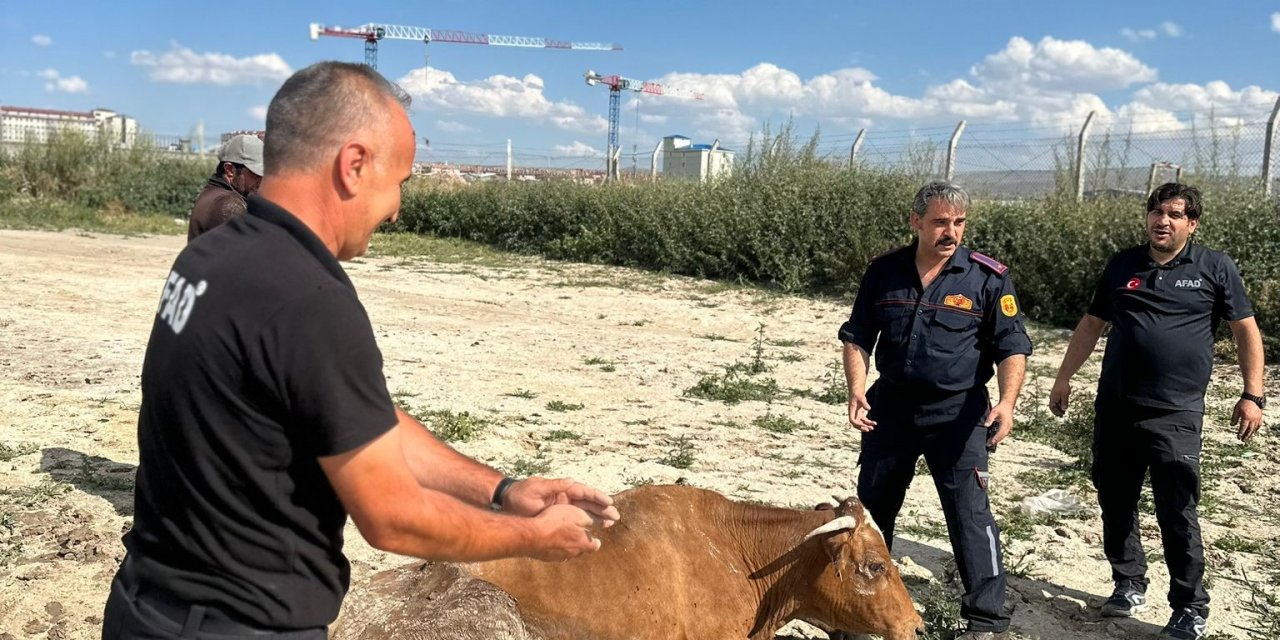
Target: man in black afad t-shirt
pixel 265 416
pixel 1164 300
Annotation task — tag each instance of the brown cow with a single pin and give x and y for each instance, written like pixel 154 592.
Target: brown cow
pixel 686 563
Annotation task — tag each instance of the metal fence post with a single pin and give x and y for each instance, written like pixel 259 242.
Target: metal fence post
pixel 857 145
pixel 1084 135
pixel 1268 150
pixel 951 150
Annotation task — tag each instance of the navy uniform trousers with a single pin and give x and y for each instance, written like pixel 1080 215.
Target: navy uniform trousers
pixel 957 457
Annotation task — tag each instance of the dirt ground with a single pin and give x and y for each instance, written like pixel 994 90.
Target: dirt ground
pixel 519 344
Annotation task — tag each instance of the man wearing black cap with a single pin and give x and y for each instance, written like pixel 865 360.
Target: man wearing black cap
pixel 1164 300
pixel 941 320
pixel 238 175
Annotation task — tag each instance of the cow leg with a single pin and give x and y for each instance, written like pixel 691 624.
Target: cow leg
pixel 888 463
pixel 957 457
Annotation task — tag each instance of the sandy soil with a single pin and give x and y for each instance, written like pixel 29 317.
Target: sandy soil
pixel 501 341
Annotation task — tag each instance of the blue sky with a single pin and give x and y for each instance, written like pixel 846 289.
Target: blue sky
pixel 901 68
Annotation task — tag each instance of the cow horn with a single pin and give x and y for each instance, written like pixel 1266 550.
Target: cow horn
pixel 839 524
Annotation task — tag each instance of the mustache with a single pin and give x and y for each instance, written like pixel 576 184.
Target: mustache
pixel 945 242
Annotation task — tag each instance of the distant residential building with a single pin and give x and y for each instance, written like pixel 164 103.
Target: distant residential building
pixel 681 159
pixel 29 124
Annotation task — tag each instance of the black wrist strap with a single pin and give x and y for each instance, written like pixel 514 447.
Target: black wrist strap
pixel 500 492
pixel 1261 401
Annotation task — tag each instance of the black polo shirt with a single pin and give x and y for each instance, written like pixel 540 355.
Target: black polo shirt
pixel 935 347
pixel 1163 319
pixel 261 359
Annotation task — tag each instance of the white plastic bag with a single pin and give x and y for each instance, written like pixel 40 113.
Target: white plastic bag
pixel 1055 502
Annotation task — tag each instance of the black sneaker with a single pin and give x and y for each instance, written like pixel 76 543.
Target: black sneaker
pixel 1185 624
pixel 1125 601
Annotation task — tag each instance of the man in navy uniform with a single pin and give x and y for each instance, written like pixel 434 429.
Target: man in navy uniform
pixel 940 318
pixel 1164 299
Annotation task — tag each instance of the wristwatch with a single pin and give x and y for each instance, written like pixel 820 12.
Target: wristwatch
pixel 1261 401
pixel 500 492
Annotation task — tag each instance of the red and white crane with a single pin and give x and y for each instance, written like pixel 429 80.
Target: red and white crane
pixel 373 32
pixel 618 84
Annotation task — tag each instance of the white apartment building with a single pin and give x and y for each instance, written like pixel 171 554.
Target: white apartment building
pixel 28 124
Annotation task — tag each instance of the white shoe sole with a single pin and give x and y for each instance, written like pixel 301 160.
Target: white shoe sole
pixel 1109 612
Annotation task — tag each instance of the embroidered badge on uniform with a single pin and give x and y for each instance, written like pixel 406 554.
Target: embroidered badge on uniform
pixel 958 301
pixel 1133 283
pixel 984 478
pixel 1008 306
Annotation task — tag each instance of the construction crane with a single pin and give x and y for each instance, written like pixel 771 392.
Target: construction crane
pixel 371 33
pixel 616 85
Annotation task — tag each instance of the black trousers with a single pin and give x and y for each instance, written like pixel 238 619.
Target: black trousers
pixel 134 611
pixel 957 457
pixel 1128 441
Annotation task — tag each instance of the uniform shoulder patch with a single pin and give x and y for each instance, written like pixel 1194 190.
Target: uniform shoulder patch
pixel 991 264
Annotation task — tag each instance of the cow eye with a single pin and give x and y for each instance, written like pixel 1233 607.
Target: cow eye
pixel 876 568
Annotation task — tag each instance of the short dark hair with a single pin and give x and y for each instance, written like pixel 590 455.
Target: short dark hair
pixel 1170 190
pixel 217 170
pixel 318 106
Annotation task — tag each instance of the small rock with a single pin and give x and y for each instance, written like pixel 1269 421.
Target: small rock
pixel 1046 595
pixel 54 609
pixel 1064 532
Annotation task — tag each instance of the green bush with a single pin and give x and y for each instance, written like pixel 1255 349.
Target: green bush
pixel 804 225
pixel 78 170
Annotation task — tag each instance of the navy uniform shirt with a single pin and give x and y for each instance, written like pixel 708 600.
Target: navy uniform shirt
pixel 1163 318
pixel 935 347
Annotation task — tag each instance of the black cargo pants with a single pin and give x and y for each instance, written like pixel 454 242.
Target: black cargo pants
pixel 956 453
pixel 1128 440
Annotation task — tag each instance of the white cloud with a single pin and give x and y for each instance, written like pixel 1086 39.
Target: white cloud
pixel 1061 65
pixel 1166 28
pixel 579 150
pixel 181 65
pixel 258 113
pixel 498 96
pixel 653 118
pixel 1201 98
pixel 41 40
pixel 1275 22
pixel 1138 35
pixel 57 82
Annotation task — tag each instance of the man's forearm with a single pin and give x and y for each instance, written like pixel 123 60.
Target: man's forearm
pixel 1083 340
pixel 856 363
pixel 438 466
pixel 1009 376
pixel 1249 349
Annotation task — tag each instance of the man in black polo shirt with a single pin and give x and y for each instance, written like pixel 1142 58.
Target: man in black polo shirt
pixel 265 416
pixel 1164 300
pixel 939 317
